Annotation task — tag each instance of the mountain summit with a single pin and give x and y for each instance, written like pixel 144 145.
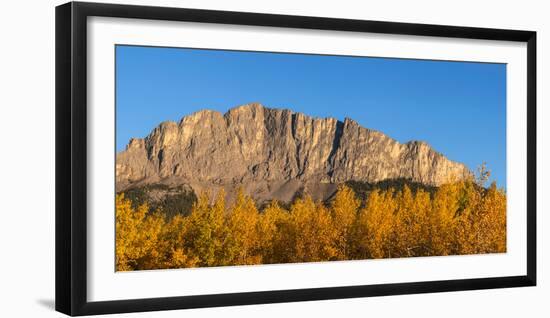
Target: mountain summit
pixel 273 154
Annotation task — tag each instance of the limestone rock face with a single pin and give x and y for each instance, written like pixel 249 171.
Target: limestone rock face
pixel 272 153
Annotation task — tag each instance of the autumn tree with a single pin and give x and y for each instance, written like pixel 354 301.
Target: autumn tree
pixel 344 212
pixel 446 210
pixel 241 244
pixel 411 224
pixel 205 230
pixel 309 234
pixel 460 217
pixel 375 229
pixel 493 221
pixel 173 242
pixel 137 236
pixel 271 233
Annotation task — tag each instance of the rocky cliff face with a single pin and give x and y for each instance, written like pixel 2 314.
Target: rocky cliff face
pixel 273 153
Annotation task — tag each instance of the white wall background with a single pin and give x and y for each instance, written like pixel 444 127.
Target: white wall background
pixel 27 158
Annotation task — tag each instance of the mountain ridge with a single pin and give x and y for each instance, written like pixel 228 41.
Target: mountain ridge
pixel 273 153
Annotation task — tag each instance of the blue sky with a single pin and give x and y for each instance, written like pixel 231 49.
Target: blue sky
pixel 459 108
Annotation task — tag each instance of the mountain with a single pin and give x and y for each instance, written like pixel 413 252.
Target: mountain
pixel 274 154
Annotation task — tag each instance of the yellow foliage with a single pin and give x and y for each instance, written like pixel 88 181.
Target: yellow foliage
pixel 137 235
pixel 309 234
pixel 242 240
pixel 344 213
pixel 375 227
pixel 270 229
pixel 207 229
pixel 457 218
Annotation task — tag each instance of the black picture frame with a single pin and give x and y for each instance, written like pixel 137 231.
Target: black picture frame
pixel 71 157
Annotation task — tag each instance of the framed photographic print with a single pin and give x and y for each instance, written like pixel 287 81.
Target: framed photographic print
pixel 209 158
